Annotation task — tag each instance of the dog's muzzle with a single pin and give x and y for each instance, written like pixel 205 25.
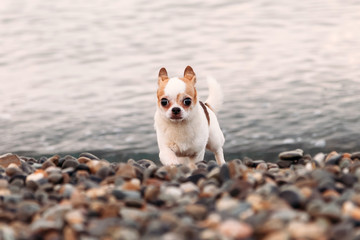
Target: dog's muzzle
pixel 176 113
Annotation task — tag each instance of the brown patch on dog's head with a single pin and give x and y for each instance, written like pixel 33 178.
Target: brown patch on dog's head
pixel 162 81
pixel 189 75
pixel 163 75
pixel 190 80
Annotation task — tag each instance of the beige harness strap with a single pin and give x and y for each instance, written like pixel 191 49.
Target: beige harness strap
pixel 205 111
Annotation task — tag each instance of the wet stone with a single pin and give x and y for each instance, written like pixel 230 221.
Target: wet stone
pixel 355 155
pixel 291 155
pixel 262 167
pixel 311 231
pixel 188 187
pixel 161 173
pixel 224 173
pixel 345 163
pixel 66 190
pixel 47 164
pixel 13 170
pixel 195 178
pixel 319 158
pixel 104 172
pixel 235 230
pixel 157 228
pixel 7 159
pixel 197 211
pixel 248 162
pixel 283 164
pixel 342 231
pixel 201 165
pixel 333 159
pixel 151 193
pixel 226 204
pixel 126 171
pixel 255 163
pixel 214 173
pixel 55 178
pixel 146 163
pixel 83 168
pixel 42 159
pixel 26 210
pixel 61 161
pixel 70 163
pixel 170 194
pixel 348 179
pixel 126 234
pixel 89 155
pixel 292 197
pixel 26 167
pixel 37 165
pixel 132 202
pixel 4 183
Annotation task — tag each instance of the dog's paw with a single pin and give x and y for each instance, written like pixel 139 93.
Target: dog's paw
pixel 168 158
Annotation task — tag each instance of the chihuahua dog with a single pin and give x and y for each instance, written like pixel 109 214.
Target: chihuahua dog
pixel 185 126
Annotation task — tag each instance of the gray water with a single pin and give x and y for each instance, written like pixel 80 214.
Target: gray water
pixel 81 75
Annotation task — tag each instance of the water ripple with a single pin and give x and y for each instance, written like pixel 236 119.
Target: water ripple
pixel 82 75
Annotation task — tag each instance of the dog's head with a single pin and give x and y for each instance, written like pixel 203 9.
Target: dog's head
pixel 177 96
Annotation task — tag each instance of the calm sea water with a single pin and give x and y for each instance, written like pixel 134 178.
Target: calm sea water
pixel 81 75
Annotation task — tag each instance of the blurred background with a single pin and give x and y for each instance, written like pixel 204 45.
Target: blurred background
pixel 81 75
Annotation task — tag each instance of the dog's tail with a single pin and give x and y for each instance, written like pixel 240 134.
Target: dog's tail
pixel 215 98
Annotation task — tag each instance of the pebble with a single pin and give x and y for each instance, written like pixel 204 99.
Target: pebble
pixel 235 230
pixel 146 163
pixel 75 219
pixel 262 167
pixel 226 204
pixel 104 172
pixel 283 164
pixel 55 178
pixel 151 193
pixel 195 178
pixel 170 194
pixel 197 211
pixel 85 197
pixel 291 155
pixel 210 190
pixel 188 187
pixel 96 165
pixel 26 210
pixel 224 173
pixel 89 155
pixel 126 171
pixel 36 176
pixel 310 230
pixel 292 197
pixel 319 159
pixel 13 170
pixel 70 163
pixel 9 158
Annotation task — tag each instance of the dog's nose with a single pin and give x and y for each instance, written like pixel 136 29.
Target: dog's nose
pixel 176 110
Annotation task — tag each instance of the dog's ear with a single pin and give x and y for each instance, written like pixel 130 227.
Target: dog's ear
pixel 189 74
pixel 162 75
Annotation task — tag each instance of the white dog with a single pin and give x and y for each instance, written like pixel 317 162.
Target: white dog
pixel 184 125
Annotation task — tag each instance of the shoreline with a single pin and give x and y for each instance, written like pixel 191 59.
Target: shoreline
pixel 300 196
pixel 269 154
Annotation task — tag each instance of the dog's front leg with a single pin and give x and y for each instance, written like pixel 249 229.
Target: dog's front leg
pixel 219 156
pixel 168 157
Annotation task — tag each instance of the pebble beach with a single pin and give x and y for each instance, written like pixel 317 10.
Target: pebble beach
pixel 298 196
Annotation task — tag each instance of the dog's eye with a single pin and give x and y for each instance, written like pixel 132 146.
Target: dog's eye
pixel 164 102
pixel 187 101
